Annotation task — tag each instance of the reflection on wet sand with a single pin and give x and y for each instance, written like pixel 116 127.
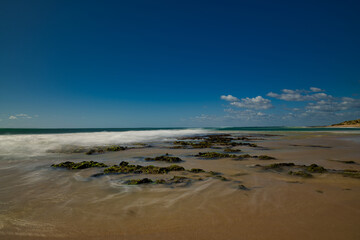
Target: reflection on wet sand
pixel 41 202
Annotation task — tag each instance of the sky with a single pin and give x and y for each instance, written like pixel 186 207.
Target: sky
pixel 178 63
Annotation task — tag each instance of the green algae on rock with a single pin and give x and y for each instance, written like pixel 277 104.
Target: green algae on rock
pixel 103 149
pixel 196 170
pixel 351 173
pixel 242 187
pixel 212 173
pixel 316 169
pixel 231 150
pixel 215 155
pixel 80 165
pixel 301 174
pixel 222 178
pixel 138 181
pixel 124 167
pixel 115 148
pixel 265 157
pixel 278 165
pixel 165 158
pixel 203 144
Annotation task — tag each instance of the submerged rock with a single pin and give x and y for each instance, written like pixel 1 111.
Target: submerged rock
pixel 265 157
pixel 242 187
pixel 196 170
pixel 301 174
pixel 124 167
pixel 316 169
pixel 103 149
pixel 215 155
pixel 203 144
pixel 231 150
pixel 222 178
pixel 278 165
pixel 115 148
pixel 165 158
pixel 351 173
pixel 138 181
pixel 80 165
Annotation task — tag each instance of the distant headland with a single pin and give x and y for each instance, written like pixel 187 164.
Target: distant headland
pixel 351 123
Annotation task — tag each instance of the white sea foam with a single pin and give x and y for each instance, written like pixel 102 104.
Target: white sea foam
pixel 39 144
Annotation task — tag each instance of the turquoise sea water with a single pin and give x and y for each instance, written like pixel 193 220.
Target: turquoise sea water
pixel 12 131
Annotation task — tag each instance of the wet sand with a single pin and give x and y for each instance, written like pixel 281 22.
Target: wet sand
pixel 39 202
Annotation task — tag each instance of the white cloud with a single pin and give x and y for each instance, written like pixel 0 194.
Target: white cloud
pixel 315 89
pixel 300 95
pixel 20 116
pixel 333 105
pixel 253 103
pixel 23 115
pixel 310 106
pixel 229 98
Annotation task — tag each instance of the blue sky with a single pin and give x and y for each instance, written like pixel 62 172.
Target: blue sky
pixel 178 63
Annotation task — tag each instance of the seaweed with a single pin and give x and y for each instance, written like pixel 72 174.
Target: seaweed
pixel 165 158
pixel 215 155
pixel 102 149
pixel 222 178
pixel 196 170
pixel 265 157
pixel 351 173
pixel 80 165
pixel 203 144
pixel 212 173
pixel 242 187
pixel 315 169
pixel 115 148
pixel 124 167
pixel 279 165
pixel 139 181
pixel 160 181
pixel 301 174
pixel 173 180
pixel 231 150
pixel 179 179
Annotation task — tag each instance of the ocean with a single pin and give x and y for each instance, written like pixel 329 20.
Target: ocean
pixel 29 142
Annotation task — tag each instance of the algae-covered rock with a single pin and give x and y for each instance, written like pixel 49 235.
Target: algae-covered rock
pixel 160 181
pixel 316 169
pixel 115 148
pixel 179 179
pixel 222 178
pixel 203 144
pixel 165 158
pixel 102 149
pixel 279 165
pixel 175 168
pixel 138 181
pixel 351 173
pixel 212 173
pixel 125 167
pixel 196 170
pixel 242 187
pixel 231 150
pixel 301 174
pixel 215 155
pixel 265 157
pixel 80 165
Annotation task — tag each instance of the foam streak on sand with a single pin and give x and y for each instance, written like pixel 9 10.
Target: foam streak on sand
pixel 34 145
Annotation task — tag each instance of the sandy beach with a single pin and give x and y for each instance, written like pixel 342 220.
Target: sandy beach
pixel 38 201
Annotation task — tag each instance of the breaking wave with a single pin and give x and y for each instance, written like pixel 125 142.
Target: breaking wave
pixel 38 144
